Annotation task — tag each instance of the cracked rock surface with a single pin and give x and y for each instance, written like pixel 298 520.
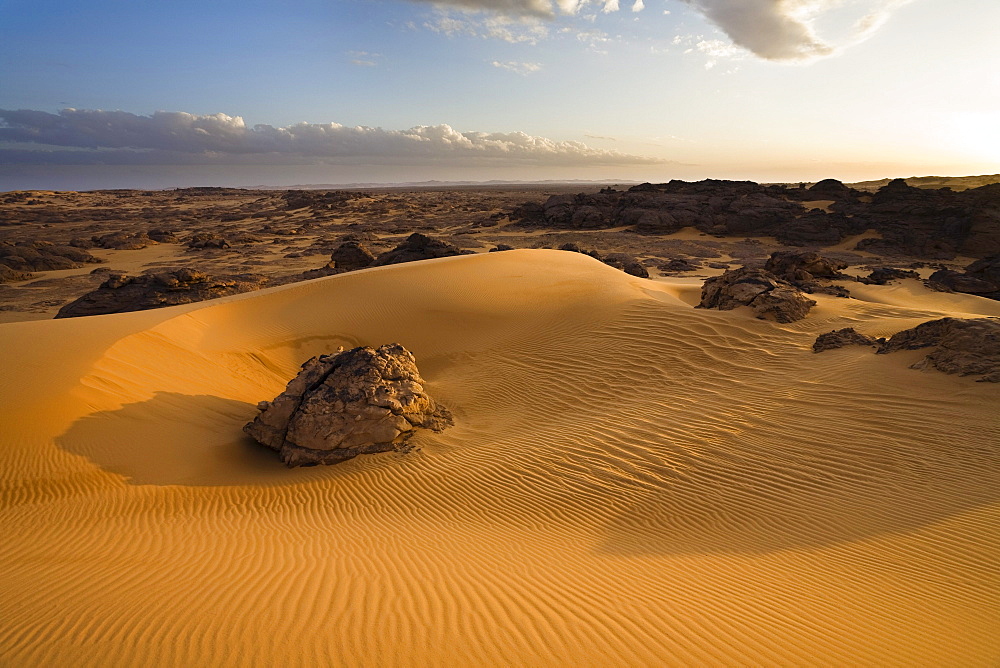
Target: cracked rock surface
pixel 768 295
pixel 360 401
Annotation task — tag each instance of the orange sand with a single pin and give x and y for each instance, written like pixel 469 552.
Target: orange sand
pixel 630 482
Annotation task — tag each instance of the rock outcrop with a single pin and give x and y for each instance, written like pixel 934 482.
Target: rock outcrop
pixel 417 247
pixel 27 256
pixel 122 240
pixel 911 221
pixel 886 275
pixel 121 293
pixel 202 240
pixel 982 278
pixel 808 271
pixel 840 338
pixel 968 347
pixel 765 293
pixel 348 256
pixel 360 401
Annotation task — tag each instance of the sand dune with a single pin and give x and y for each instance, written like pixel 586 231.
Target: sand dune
pixel 629 481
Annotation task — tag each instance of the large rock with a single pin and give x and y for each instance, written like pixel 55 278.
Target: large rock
pixel 28 256
pixel 968 347
pixel 360 401
pixel 765 293
pixel 350 256
pixel 417 247
pixel 121 293
pixel 886 275
pixel 839 338
pixel 982 278
pixel 795 266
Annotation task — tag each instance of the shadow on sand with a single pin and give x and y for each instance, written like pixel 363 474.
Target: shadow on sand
pixel 177 439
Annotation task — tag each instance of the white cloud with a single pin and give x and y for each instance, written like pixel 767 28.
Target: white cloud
pixel 787 29
pixel 770 29
pixel 515 30
pixel 518 68
pixel 118 136
pixel 364 58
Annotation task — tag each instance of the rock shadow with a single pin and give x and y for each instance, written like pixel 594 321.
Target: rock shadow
pixel 177 439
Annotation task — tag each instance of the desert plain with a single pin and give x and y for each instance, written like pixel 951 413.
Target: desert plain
pixel 629 480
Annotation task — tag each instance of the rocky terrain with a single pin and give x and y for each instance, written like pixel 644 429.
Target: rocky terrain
pixel 50 241
pixel 963 346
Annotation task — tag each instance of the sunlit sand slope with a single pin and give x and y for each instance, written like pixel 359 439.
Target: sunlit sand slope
pixel 629 481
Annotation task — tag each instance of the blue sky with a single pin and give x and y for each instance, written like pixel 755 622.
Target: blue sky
pixel 756 89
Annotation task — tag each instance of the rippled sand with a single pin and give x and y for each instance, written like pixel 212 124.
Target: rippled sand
pixel 630 481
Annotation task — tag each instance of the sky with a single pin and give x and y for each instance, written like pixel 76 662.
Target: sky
pixel 117 93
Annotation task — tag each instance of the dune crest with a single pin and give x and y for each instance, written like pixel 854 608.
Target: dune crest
pixel 629 481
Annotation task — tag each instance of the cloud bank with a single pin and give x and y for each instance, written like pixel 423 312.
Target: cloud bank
pixel 81 136
pixel 770 29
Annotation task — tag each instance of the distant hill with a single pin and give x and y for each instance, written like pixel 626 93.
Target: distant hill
pixel 953 182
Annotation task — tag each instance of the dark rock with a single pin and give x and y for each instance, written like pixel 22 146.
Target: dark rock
pixel 201 240
pixel 360 401
pixel 804 266
pixel 28 256
pixel 8 275
pixel 765 293
pixel 981 278
pixel 626 263
pixel 839 338
pixel 121 293
pixel 122 240
pixel 350 256
pixel 968 347
pixel 680 265
pixel 417 247
pixel 501 247
pixel 885 275
pixel 163 236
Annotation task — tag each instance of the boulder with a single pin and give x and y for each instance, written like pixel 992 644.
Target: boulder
pixel 765 293
pixel 201 240
pixel 968 347
pixel 982 278
pixel 8 275
pixel 122 240
pixel 501 247
pixel 28 256
pixel 360 401
pixel 679 265
pixel 885 275
pixel 626 263
pixel 840 338
pixel 804 266
pixel 121 293
pixel 417 247
pixel 350 256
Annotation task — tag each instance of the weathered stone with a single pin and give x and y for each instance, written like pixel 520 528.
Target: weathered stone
pixel 968 347
pixel 762 291
pixel 885 275
pixel 417 247
pixel 350 256
pixel 840 338
pixel 121 293
pixel 360 401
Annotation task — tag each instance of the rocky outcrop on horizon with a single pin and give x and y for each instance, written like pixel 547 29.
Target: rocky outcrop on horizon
pixel 937 224
pixel 360 401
